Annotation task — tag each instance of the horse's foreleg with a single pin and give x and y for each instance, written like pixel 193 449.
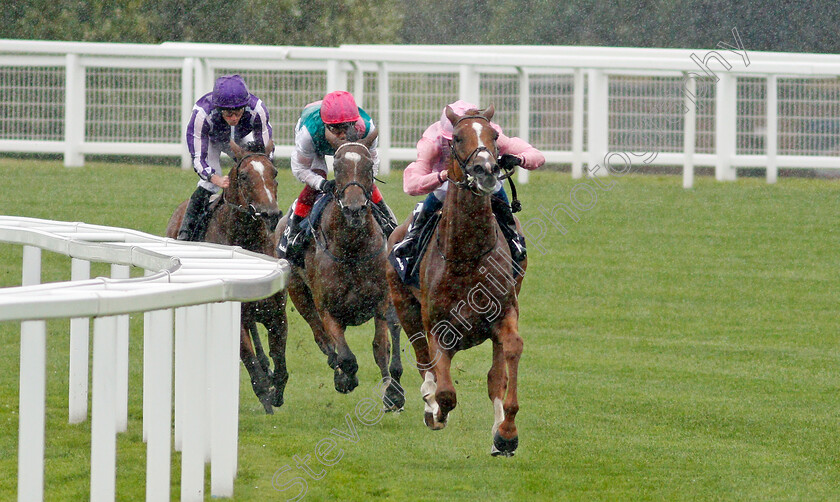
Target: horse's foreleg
pixel 259 381
pixel 258 349
pixel 346 366
pixel 302 299
pixel 394 394
pixel 445 393
pixel 278 331
pixel 505 435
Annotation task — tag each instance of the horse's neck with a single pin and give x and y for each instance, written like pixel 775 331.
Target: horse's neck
pixel 245 231
pixel 466 224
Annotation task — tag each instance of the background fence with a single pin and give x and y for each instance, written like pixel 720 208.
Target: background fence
pixel 724 108
pixel 185 284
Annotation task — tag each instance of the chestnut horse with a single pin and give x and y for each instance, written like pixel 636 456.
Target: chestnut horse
pixel 468 291
pixel 242 218
pixel 343 281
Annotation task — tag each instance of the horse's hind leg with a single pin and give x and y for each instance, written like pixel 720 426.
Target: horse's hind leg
pixel 501 386
pixel 259 381
pixel 394 393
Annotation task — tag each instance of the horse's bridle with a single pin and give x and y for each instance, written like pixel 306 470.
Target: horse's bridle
pixel 322 243
pixel 367 193
pixel 470 182
pixel 250 210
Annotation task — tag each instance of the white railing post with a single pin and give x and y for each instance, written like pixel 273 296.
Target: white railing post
pixel 31 266
pixel 726 114
pixel 32 407
pixel 577 124
pixel 524 115
pixel 336 76
pixel 384 137
pixel 689 129
pixel 358 84
pixel 74 111
pixel 103 441
pixel 122 272
pixel 79 353
pixel 772 141
pixel 188 99
pixel 469 88
pixel 224 340
pixel 181 356
pixel 32 410
pixel 157 415
pixel 194 445
pixel 598 119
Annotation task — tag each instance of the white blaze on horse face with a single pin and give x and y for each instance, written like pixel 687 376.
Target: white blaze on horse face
pixel 484 154
pixel 354 158
pixel 260 168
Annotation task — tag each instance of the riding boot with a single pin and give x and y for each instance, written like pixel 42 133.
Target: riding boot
pixel 292 240
pixel 385 217
pixel 507 223
pixel 195 210
pixel 408 246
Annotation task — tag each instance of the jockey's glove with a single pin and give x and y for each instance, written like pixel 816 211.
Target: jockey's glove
pixel 509 161
pixel 326 186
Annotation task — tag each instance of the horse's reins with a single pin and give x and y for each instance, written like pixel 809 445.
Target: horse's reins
pixel 250 210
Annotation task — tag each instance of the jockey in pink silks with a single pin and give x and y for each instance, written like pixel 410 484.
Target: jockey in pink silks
pixel 427 175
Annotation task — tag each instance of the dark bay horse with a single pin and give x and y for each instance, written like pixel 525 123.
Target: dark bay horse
pixel 343 282
pixel 468 293
pixel 242 218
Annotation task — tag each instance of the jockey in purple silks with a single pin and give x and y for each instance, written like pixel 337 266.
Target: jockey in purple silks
pixel 230 112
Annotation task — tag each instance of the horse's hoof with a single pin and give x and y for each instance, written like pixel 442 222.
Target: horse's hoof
pixel 269 410
pixel 277 399
pixel 432 423
pixel 394 398
pixel 503 447
pixel 344 382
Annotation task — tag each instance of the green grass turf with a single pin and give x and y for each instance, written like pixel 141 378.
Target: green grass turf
pixel 679 344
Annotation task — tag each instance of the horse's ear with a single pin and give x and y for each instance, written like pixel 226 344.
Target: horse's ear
pixel 488 113
pixel 451 115
pixel 269 147
pixel 370 138
pixel 238 151
pixel 331 138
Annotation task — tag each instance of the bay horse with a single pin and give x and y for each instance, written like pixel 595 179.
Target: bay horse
pixel 468 290
pixel 343 280
pixel 243 218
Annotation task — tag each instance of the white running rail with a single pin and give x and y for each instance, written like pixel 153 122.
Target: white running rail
pixel 186 284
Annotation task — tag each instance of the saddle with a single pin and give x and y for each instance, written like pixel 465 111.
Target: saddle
pixel 312 221
pixel 408 268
